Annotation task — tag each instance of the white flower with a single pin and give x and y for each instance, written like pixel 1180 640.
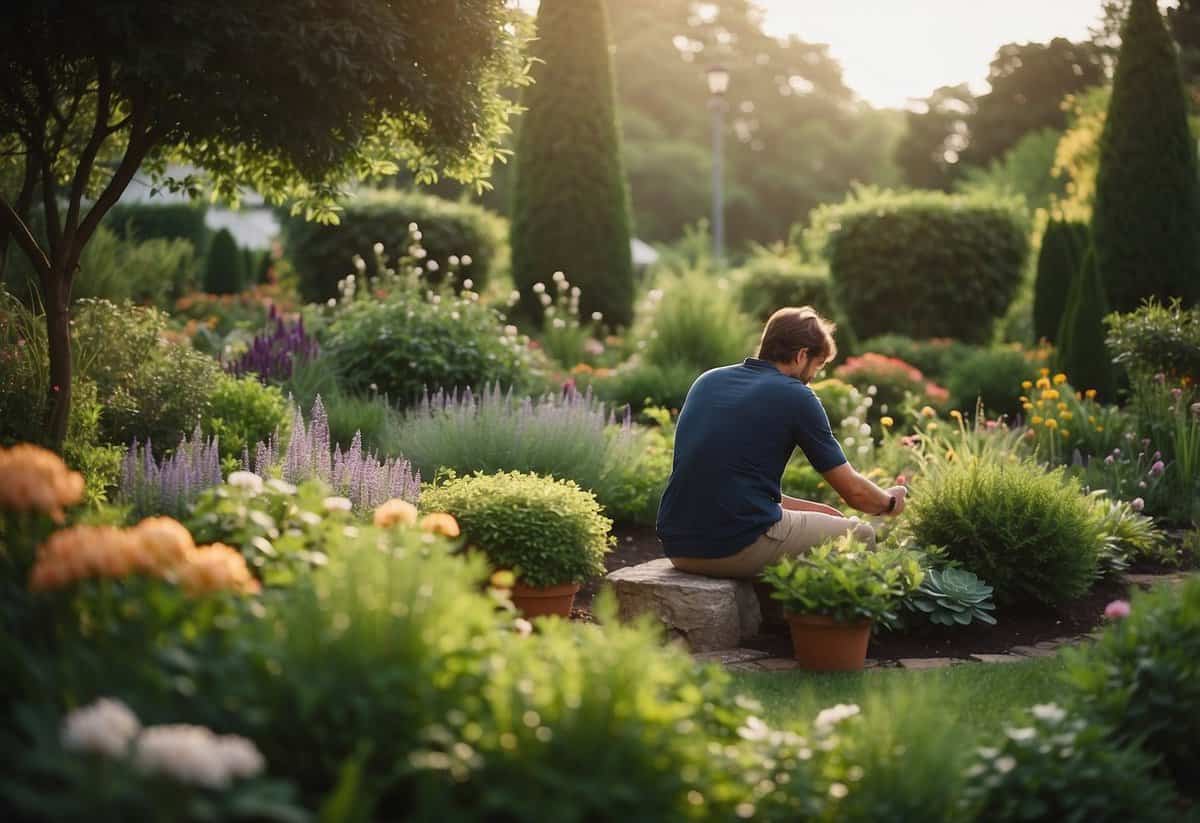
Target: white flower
pixel 864 429
pixel 510 331
pixel 432 265
pixel 281 486
pixel 864 450
pixel 435 299
pixel 468 283
pixel 828 718
pixel 871 390
pixel 655 295
pixel 337 504
pixel 466 259
pixel 558 277
pixel 194 755
pixel 559 323
pixel 597 316
pixel 868 402
pixel 105 727
pixel 246 480
pixel 545 298
pixel 1021 735
pixel 242 758
pixel 452 260
pixel 412 227
pixel 417 252
pixel 851 422
pixel 1050 712
pixel 838 790
pixel 378 247
pixel 514 297
pixel 453 315
pixel 849 441
pixel 359 263
pixel 575 292
pixel 539 288
pixel 416 235
pixel 331 302
pixel 1005 764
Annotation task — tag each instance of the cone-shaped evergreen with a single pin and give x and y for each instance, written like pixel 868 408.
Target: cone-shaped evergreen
pixel 1063 247
pixel 570 202
pixel 1147 199
pixel 1081 352
pixel 224 267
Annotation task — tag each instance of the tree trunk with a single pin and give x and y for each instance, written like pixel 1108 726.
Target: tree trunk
pixel 58 338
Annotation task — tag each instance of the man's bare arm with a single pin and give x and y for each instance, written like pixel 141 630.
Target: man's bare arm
pixel 862 494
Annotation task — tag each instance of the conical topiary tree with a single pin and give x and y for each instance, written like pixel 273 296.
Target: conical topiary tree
pixel 1063 247
pixel 570 202
pixel 1147 208
pixel 1081 350
pixel 224 267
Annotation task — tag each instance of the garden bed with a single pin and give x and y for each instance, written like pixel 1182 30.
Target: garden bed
pixel 1016 627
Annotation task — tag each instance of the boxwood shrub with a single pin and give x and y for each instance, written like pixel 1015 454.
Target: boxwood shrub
pixel 323 254
pixel 924 264
pixel 549 532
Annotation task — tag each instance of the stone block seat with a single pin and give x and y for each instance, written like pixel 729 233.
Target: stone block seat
pixel 706 613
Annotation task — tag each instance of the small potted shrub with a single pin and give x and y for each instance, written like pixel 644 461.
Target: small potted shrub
pixel 832 596
pixel 549 533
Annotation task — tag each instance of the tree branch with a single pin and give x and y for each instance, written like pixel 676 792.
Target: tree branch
pixel 87 159
pixel 21 210
pixel 25 239
pixel 40 147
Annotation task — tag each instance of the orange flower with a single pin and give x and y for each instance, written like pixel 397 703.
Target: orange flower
pixel 216 568
pixel 1090 394
pixel 440 523
pixel 35 479
pixel 1059 379
pixel 396 512
pixel 82 552
pixel 164 544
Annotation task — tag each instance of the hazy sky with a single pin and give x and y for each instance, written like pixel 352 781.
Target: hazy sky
pixel 892 50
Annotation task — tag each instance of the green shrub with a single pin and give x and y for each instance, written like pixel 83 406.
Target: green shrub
pixel 893 379
pixel 1058 766
pixel 1030 533
pixel 843 580
pixel 767 282
pixel 1156 338
pixel 24 371
pixel 839 399
pixel 923 264
pixel 406 344
pixel 99 463
pixel 570 201
pixel 244 412
pixel 371 416
pixel 639 385
pixel 160 221
pixel 154 271
pixel 638 490
pixel 1142 679
pixel 1147 198
pixel 548 532
pixel 224 267
pixel 695 323
pixel 1063 246
pixel 935 358
pixel 1081 351
pixel 323 254
pixel 992 376
pixel 568 436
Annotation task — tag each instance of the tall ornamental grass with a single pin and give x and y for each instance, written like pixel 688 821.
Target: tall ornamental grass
pixel 571 436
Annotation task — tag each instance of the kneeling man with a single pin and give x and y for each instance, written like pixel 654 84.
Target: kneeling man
pixel 723 514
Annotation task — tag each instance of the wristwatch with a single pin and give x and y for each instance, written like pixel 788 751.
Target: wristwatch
pixel 891 505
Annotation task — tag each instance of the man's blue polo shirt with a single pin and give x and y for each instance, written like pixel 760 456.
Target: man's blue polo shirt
pixel 735 434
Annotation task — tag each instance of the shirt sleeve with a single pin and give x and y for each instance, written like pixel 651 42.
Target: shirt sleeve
pixel 813 435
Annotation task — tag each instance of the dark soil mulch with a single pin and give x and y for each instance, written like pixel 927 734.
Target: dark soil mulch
pixel 1021 626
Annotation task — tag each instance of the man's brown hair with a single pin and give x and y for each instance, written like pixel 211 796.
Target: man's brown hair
pixel 792 329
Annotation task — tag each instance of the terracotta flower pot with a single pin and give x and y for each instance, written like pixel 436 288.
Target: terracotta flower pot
pixel 538 601
pixel 823 644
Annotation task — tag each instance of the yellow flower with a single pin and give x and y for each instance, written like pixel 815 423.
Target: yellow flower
pixel 581 368
pixel 395 512
pixel 886 422
pixel 1059 379
pixel 1044 372
pixel 440 523
pixel 1050 394
pixel 1090 394
pixel 950 455
pixel 1023 399
pixel 1062 406
pixel 931 427
pixel 1092 419
pixel 1066 415
pixel 956 414
pixel 1043 383
pixel 1064 433
pixel 1051 423
pixel 1027 384
pixel 927 411
pixel 1099 428
pixel 1027 406
pixel 1035 420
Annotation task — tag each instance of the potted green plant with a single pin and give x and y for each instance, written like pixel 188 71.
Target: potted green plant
pixel 549 533
pixel 833 595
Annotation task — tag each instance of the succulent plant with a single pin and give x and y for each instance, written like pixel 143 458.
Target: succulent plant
pixel 953 597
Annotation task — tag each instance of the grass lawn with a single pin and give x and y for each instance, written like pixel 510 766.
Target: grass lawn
pixel 976 698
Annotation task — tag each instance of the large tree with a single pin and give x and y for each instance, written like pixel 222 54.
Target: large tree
pixel 930 151
pixel 570 208
pixel 1147 208
pixel 293 102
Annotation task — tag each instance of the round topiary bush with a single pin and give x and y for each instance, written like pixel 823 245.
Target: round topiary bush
pixel 1142 678
pixel 992 376
pixel 548 532
pixel 1028 532
pixel 245 412
pixel 768 282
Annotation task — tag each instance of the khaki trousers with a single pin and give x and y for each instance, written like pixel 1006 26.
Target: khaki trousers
pixel 796 533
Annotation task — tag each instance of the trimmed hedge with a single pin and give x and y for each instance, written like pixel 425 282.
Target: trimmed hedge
pixel 923 264
pixel 1063 246
pixel 224 266
pixel 1082 353
pixel 768 282
pixel 161 221
pixel 323 255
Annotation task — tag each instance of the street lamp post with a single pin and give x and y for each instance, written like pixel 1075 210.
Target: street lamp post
pixel 718 85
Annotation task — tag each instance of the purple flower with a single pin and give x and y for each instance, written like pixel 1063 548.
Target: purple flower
pixel 1137 504
pixel 1117 610
pixel 1176 393
pixel 273 354
pixel 1157 469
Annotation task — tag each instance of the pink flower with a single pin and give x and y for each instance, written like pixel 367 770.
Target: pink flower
pixel 901 480
pixel 1117 610
pixel 1157 469
pixel 1137 504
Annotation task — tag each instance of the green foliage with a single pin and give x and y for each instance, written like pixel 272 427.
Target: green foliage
pixel 635 498
pixel 642 384
pixel 548 532
pixel 160 221
pixel 695 322
pixel 1128 536
pixel 323 255
pixel 1064 245
pixel 99 463
pixel 1147 189
pixel 1081 347
pixel 1024 170
pixel 370 415
pixel 148 388
pixel 1059 766
pixel 244 412
pixel 1142 679
pixel 224 266
pixel 1028 532
pixel 935 358
pixel 923 264
pixel 1156 338
pixel 951 597
pixel 767 282
pixel 24 375
pixel 406 343
pixel 893 380
pixel 845 581
pixel 570 207
pixel 992 376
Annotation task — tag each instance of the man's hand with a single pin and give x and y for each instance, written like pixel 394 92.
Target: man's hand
pixel 901 494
